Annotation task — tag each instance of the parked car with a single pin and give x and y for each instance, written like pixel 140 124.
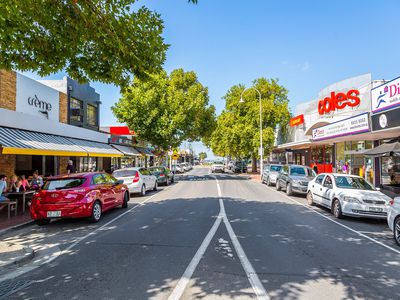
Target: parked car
pixel 231 163
pixel 177 169
pixel 78 195
pixel 270 174
pixel 239 167
pixel 294 179
pixel 163 174
pixel 186 166
pixel 138 180
pixel 217 167
pixel 393 218
pixel 347 195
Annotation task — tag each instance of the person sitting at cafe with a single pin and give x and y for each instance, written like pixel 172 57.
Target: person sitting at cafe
pixel 24 183
pixel 13 184
pixel 37 181
pixel 3 187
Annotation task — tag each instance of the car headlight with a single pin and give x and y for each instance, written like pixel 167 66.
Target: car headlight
pixel 351 199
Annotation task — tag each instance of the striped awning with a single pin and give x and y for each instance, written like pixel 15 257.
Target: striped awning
pixel 24 142
pixel 126 150
pixel 144 151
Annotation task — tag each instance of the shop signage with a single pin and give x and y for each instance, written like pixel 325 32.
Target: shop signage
pixel 337 101
pixel 353 125
pixel 120 140
pixel 298 120
pixel 121 130
pixel 35 98
pixel 385 120
pixel 385 96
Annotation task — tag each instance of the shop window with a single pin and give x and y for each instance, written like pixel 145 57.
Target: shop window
pixel 91 115
pixel 391 170
pixel 87 164
pixel 76 110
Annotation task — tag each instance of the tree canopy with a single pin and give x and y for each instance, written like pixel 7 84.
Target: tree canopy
pixel 98 40
pixel 167 109
pixel 202 155
pixel 237 132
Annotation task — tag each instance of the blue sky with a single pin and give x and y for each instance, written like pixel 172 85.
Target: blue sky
pixel 306 44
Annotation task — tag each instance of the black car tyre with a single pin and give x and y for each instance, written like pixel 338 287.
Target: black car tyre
pixel 278 187
pixel 155 186
pixel 96 212
pixel 289 190
pixel 143 190
pixel 337 209
pixel 42 222
pixel 396 230
pixel 310 199
pixel 125 202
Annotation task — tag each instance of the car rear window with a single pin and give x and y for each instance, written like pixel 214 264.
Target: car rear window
pixel 124 173
pixel 60 184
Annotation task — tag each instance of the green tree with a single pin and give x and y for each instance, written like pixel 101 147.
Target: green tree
pixel 167 109
pixel 202 155
pixel 100 40
pixel 237 132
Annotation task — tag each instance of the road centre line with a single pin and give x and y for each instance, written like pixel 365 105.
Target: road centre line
pixel 338 223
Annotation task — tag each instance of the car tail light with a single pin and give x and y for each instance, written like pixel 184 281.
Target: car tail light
pixel 162 175
pixel 136 178
pixel 391 202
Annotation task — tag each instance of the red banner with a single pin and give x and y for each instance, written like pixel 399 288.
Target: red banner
pixel 121 130
pixel 297 120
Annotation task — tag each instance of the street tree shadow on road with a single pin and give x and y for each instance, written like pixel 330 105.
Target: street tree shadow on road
pixel 294 252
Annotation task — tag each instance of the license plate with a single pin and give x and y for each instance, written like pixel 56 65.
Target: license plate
pixel 54 214
pixel 376 209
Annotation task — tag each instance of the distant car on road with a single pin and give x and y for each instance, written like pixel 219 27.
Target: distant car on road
pixel 78 195
pixel 294 179
pixel 217 167
pixel 186 166
pixel 239 167
pixel 163 174
pixel 177 169
pixel 393 218
pixel 270 174
pixel 347 195
pixel 138 180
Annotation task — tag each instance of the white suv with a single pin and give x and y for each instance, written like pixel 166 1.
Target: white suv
pixel 138 180
pixel 393 218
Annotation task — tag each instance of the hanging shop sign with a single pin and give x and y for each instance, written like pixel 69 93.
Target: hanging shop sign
pixel 35 98
pixel 353 125
pixel 386 96
pixel 386 120
pixel 338 101
pixel 298 120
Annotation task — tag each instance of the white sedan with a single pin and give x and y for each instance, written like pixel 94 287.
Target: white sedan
pixel 138 180
pixel 347 195
pixel 217 167
pixel 393 218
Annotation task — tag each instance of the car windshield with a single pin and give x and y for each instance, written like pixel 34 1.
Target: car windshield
pixel 276 168
pixel 297 171
pixel 124 173
pixel 67 183
pixel 355 183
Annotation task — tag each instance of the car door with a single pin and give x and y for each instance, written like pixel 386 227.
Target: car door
pixel 116 191
pixel 316 188
pixel 99 181
pixel 145 174
pixel 327 191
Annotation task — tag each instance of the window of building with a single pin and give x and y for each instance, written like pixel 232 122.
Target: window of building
pixel 91 115
pixel 76 110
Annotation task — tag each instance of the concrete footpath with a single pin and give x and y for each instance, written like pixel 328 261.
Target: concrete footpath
pixel 14 254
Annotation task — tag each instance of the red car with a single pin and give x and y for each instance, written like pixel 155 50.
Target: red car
pixel 78 195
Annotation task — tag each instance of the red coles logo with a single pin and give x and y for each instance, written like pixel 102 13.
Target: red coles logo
pixel 338 101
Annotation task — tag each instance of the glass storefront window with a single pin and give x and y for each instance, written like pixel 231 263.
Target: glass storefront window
pixel 91 115
pixel 87 164
pixel 76 107
pixel 391 170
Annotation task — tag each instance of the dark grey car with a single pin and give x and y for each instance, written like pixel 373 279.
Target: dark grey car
pixel 294 179
pixel 270 174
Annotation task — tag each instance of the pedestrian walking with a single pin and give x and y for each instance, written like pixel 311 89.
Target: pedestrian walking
pixel 70 167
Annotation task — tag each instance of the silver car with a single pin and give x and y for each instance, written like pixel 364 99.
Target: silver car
pixel 393 218
pixel 270 174
pixel 294 179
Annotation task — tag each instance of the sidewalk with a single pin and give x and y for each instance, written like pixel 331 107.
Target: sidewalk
pixel 15 221
pixel 14 254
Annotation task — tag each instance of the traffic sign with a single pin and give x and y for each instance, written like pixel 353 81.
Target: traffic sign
pixel 175 157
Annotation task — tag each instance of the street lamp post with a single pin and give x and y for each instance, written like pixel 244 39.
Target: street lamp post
pixel 261 142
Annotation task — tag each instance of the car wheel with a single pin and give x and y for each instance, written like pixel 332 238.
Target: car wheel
pixel 155 186
pixel 126 199
pixel 310 199
pixel 143 190
pixel 278 187
pixel 396 230
pixel 96 212
pixel 268 182
pixel 289 190
pixel 42 222
pixel 337 209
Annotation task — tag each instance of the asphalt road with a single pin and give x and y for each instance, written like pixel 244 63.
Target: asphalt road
pixel 203 238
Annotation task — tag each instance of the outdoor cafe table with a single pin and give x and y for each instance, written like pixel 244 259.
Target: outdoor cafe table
pixel 23 194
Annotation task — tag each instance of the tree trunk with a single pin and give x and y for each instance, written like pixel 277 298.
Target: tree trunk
pixel 253 164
